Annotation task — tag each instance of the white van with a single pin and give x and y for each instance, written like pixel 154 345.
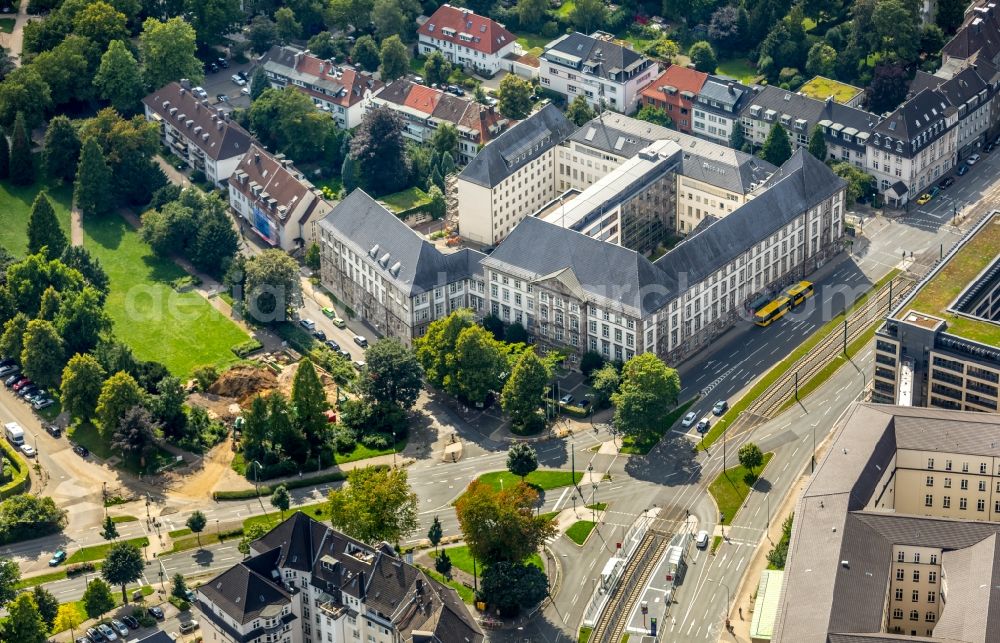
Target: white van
pixel 15 434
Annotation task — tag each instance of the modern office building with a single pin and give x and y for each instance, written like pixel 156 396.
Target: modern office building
pixel 896 537
pixel 390 276
pixel 512 177
pixel 202 136
pixel 464 38
pixel 712 180
pixel 607 74
pixel 940 347
pixel 306 583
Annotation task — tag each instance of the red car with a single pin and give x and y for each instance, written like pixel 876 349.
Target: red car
pixel 22 383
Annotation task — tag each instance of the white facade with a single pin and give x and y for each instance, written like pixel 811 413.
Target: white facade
pixel 464 55
pixel 619 96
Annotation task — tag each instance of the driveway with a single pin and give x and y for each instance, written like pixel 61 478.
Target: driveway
pixel 14 41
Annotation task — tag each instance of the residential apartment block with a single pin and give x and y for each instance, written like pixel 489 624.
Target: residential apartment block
pixel 607 74
pixel 717 109
pixel 940 352
pixel 711 180
pixel 276 200
pixel 897 533
pixel 512 177
pixel 467 39
pixel 203 136
pixel 390 276
pixel 846 129
pixel 306 583
pixel 340 90
pixel 423 109
pixel 574 291
pixel 675 91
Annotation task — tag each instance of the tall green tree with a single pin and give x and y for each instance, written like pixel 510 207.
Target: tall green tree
pixel 123 565
pixel 168 51
pixel 514 96
pixel 24 623
pixel 24 91
pixel 379 150
pixel 196 523
pixel 82 320
pixel 43 229
pixel 258 83
pixel 109 530
pixel 589 15
pixel 101 23
pixel 280 500
pixel 366 53
pixel 703 57
pixel 646 393
pixel 43 356
pixel 79 258
pixel 271 286
pixel 119 80
pixel 376 505
pixel 97 599
pixel 392 375
pixel 68 618
pixel 135 434
pixel 48 606
pixel 12 339
pixel 10 576
pixel 750 457
pixel 4 156
pixel 513 586
pixel 395 58
pixel 50 304
pixel 822 60
pixel 435 349
pixel 287 26
pixel 480 365
pixel 93 179
pixel 522 394
pixel 579 111
pixel 949 14
pixel 501 525
pixel 532 13
pixel 436 68
pixel 263 34
pixel 61 149
pixel 250 534
pixel 653 114
pixel 606 380
pixel 737 139
pixel 521 459
pixel 859 184
pixel 817 144
pixel 388 18
pixel 22 163
pixel 309 402
pixel 777 148
pixel 435 532
pixel 68 70
pixel 212 20
pixel 119 393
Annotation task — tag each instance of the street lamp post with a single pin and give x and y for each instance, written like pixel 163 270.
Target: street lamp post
pixel 729 599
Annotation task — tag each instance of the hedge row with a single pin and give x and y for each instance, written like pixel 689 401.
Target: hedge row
pixel 19 484
pixel 245 348
pixel 294 483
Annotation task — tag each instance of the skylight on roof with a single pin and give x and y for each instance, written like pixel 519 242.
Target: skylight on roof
pixel 482 28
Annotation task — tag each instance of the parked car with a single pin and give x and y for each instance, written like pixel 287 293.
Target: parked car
pixel 9 369
pixel 934 191
pixel 584 404
pixel 701 540
pixel 27 390
pixel 57 558
pixel 222 98
pixel 119 627
pixel 243 75
pixel 212 68
pixel 418 80
pixel 28 450
pixel 947 182
pixel 189 596
pixel 338 322
pixel 245 91
pixel 42 403
pixel 332 345
pixel 222 62
pixel 239 81
pixel 359 364
pixel 200 92
pixel 308 324
pixel 689 419
pixel 53 430
pixel 155 612
pixel 190 626
pixel 320 335
pixel 566 399
pixel 94 635
pixel 972 160
pixel 21 383
pixel 81 451
pixel 703 425
pixel 720 407
pixel 989 147
pixel 109 634
pixel 962 170
pixel 361 341
pixel 345 354
pixel 81 639
pixel 7 361
pixel 12 379
pixel 131 622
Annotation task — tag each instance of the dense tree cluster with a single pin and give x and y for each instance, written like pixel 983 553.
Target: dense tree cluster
pixel 195 226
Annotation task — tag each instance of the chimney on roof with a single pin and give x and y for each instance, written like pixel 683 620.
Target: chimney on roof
pixel 731 87
pixel 298 57
pixel 185 83
pixel 361 585
pixel 256 158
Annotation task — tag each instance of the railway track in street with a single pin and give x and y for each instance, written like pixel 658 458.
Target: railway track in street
pixel 611 625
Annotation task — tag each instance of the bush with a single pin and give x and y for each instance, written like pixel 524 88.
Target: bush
pixel 534 424
pixel 198 177
pixel 295 483
pixel 245 348
pixel 343 439
pixel 590 362
pixel 80 568
pixel 19 481
pixel 205 376
pixel 181 604
pixel 376 441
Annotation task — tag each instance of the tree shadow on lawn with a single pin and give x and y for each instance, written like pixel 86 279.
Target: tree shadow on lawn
pixel 108 231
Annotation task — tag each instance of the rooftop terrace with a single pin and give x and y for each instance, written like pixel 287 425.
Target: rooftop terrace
pixel 939 293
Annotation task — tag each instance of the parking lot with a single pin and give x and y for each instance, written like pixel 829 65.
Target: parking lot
pixel 221 83
pixel 171 624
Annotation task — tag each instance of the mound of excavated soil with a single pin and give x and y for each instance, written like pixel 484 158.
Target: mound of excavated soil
pixel 243 381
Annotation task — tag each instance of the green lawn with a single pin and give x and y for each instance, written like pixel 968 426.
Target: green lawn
pixel 635 446
pixel 408 198
pixel 731 487
pixel 464 592
pixel 7 25
pixel 15 203
pixel 181 330
pixel 565 9
pixel 739 68
pixel 585 633
pixel 580 530
pixel 41 579
pixel 598 506
pixel 99 552
pixel 120 519
pixel 533 40
pixel 543 479
pixel 462 559
pixel 361 452
pixel 87 435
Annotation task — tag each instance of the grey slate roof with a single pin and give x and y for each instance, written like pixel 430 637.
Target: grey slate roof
pixel 962 87
pixel 925 112
pixel 365 223
pixel 978 37
pixel 727 92
pixel 538 249
pixel 246 591
pixel 608 57
pixel 703 160
pixel 518 146
pixel 811 110
pixel 802 182
pixel 825 600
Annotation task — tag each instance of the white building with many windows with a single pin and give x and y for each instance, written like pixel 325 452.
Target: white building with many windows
pixel 467 39
pixel 597 68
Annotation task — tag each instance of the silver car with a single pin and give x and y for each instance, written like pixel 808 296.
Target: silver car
pixel 119 627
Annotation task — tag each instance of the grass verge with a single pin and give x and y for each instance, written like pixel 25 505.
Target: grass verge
pixel 598 506
pixel 41 579
pixel 542 479
pixel 580 530
pixel 318 511
pixel 120 519
pixel 632 446
pixel 782 367
pixel 99 552
pixel 464 592
pixel 730 488
pixel 461 558
pixel 585 633
pixel 716 541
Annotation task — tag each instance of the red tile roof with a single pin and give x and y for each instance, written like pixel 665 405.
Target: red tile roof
pixel 462 112
pixel 423 98
pixel 682 78
pixel 324 73
pixel 486 35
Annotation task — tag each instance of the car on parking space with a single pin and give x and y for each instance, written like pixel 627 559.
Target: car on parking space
pixel 328 312
pixel 418 80
pixel 566 399
pixel 946 183
pixel 53 430
pixel 962 170
pixel 155 612
pixel 21 383
pixel 332 345
pixel 28 450
pixel 25 391
pixel 131 622
pixel 222 62
pixel 703 425
pixel 9 369
pixel 320 335
pixel 212 68
pixel 222 98
pixel 972 160
pixel 308 324
pixel 94 635
pixel 243 75
pixel 119 627
pixel 338 322
pixel 361 341
pixel 238 80
pixel 42 403
pixel 688 419
pixel 81 639
pixel 200 92
pixel 923 199
pixel 81 450
pixel 344 354
pixel 359 364
pixel 934 191
pixel 189 596
pixel 107 632
pixel 989 147
pixel 701 540
pixel 57 558
pixel 584 404
pixel 245 91
pixel 188 627
pixel 11 380
pixel 720 407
